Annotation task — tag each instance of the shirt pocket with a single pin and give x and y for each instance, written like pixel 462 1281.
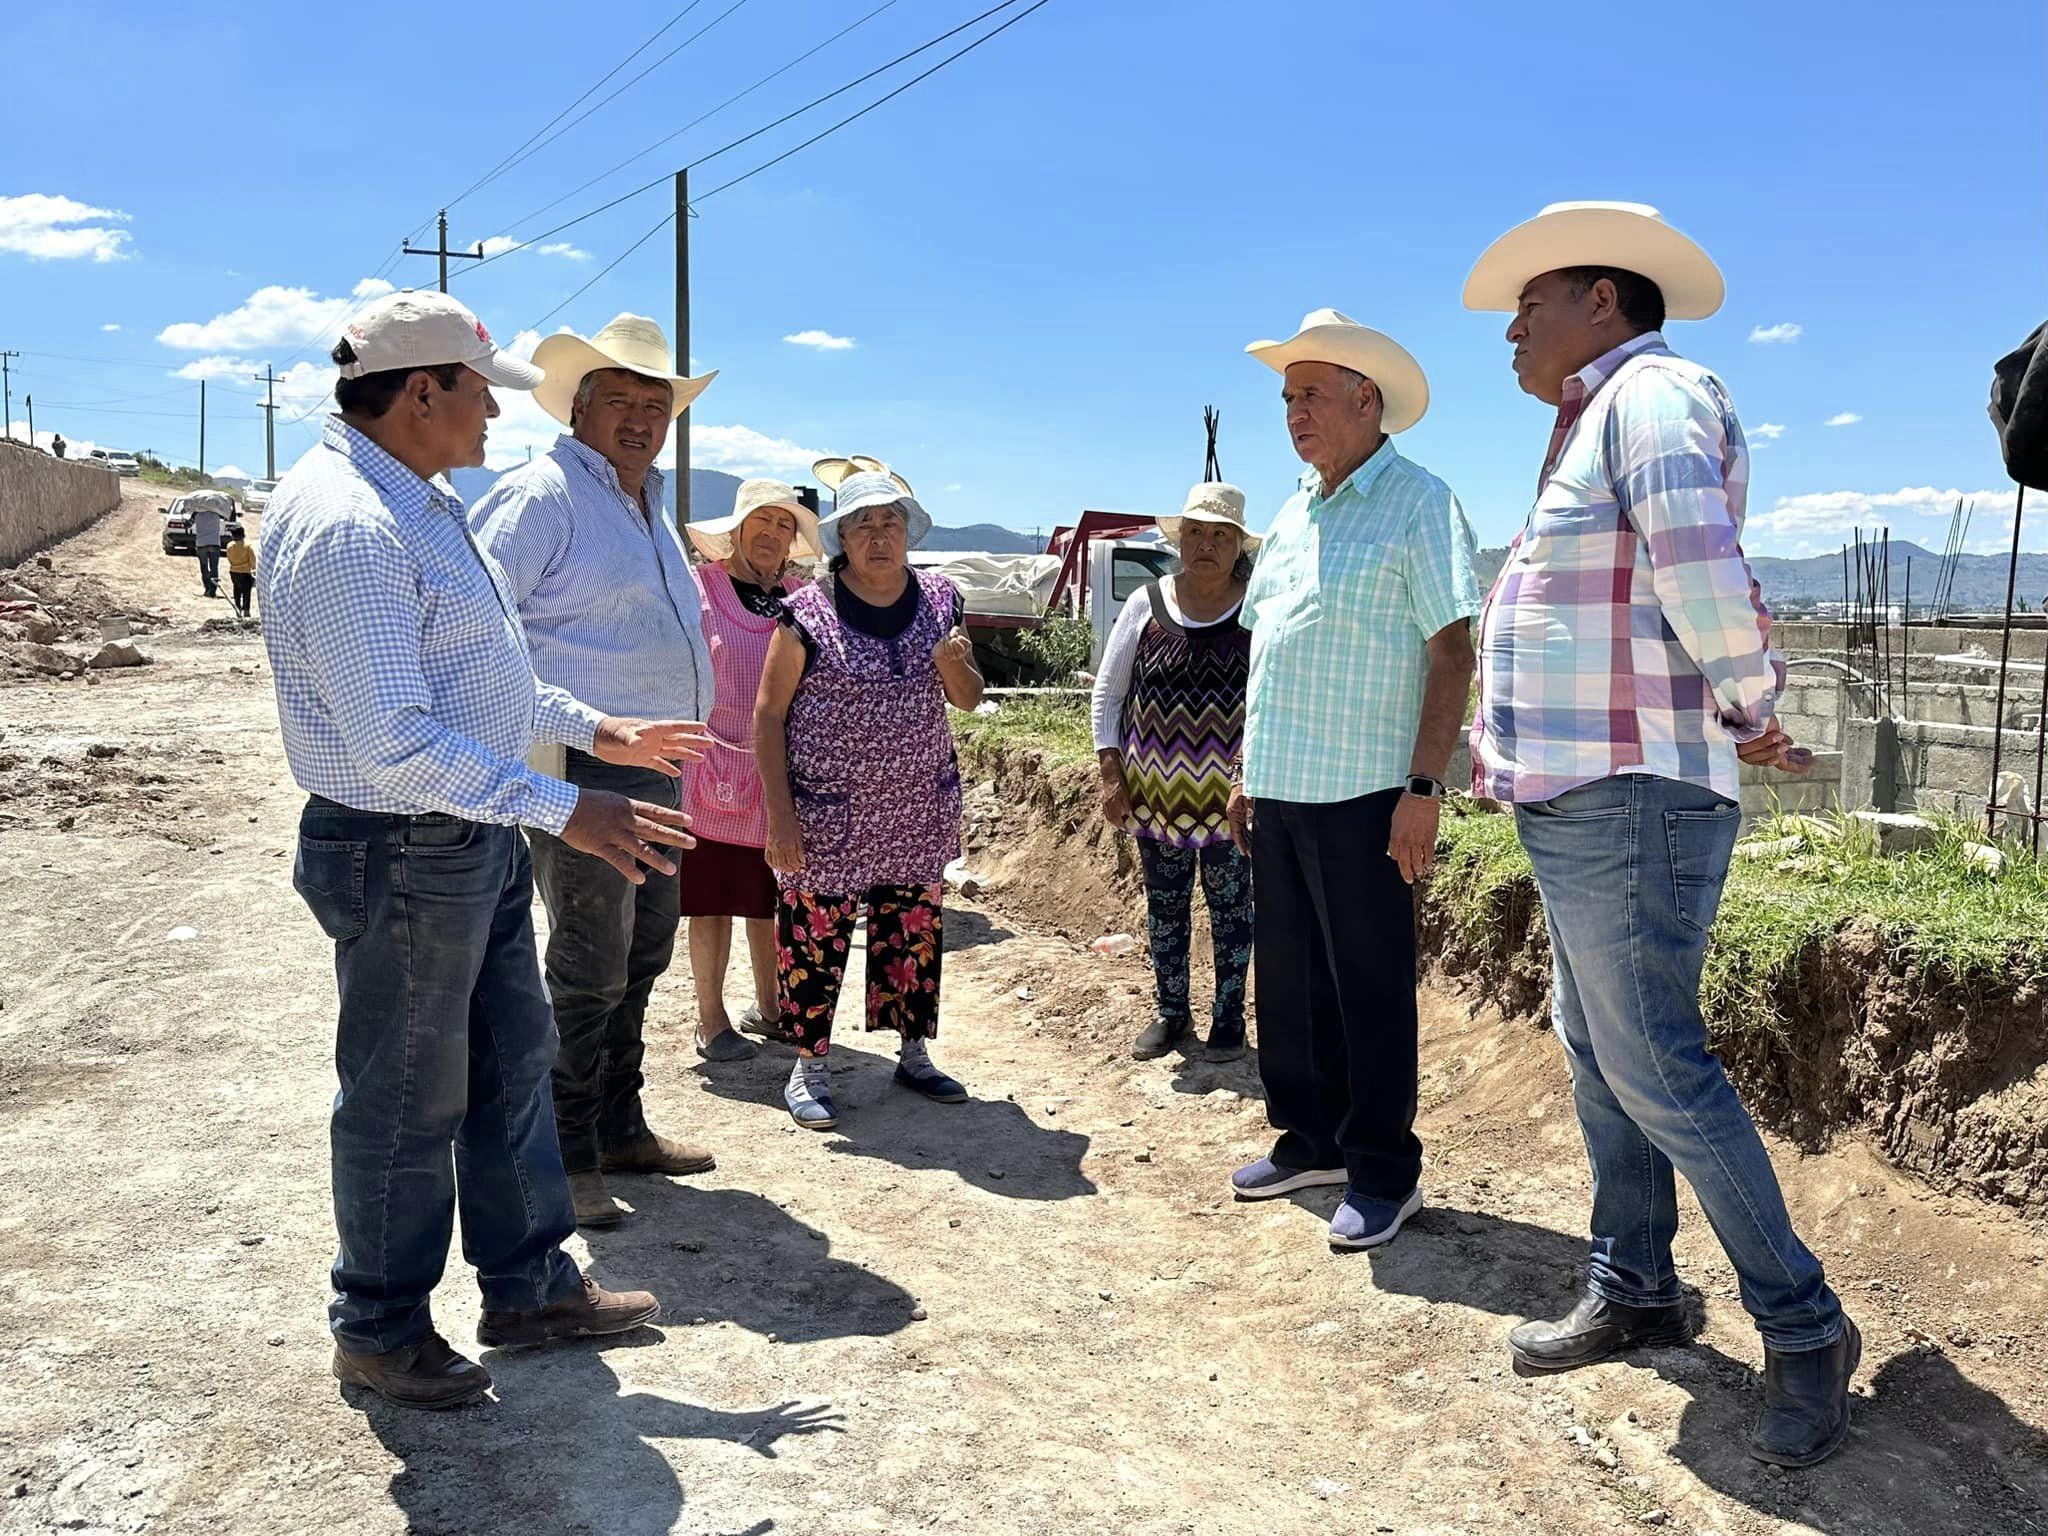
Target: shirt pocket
pixel 1363 576
pixel 461 614
pixel 1573 536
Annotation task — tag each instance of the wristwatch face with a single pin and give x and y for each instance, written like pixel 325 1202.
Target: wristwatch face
pixel 1426 789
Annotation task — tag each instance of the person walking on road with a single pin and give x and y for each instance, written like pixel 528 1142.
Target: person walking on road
pixel 1361 666
pixel 241 571
pixel 408 700
pixel 1626 673
pixel 1168 718
pixel 605 592
pixel 210 513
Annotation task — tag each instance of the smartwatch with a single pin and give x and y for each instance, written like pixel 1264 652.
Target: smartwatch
pixel 1423 787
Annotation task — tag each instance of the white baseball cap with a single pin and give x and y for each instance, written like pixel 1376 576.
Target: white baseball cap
pixel 413 328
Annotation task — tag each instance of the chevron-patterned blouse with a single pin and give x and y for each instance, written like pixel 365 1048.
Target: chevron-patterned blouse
pixel 1183 726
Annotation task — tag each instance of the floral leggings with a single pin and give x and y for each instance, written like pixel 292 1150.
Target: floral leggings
pixel 1170 899
pixel 906 932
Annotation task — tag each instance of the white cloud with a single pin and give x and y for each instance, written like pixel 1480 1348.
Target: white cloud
pixel 824 341
pixel 1784 333
pixel 1919 513
pixel 1844 419
pixel 566 251
pixel 237 369
pixel 743 451
pixel 272 316
pixel 110 326
pixel 498 245
pixel 231 472
pixel 74 447
pixel 1766 432
pixel 46 228
pixel 951 488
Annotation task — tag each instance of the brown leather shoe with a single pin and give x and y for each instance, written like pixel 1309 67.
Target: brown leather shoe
pixel 590 1313
pixel 428 1374
pixel 657 1154
pixel 594 1204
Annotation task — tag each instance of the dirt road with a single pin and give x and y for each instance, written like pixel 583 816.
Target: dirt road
pixel 1036 1313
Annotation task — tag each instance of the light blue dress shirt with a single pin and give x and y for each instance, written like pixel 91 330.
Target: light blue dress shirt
pixel 605 589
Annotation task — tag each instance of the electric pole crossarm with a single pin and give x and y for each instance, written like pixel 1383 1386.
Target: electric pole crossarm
pixel 441 250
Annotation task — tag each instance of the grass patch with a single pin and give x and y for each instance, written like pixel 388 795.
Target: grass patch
pixel 1055 724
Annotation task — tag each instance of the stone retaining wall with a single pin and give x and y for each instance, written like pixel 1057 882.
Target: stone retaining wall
pixel 44 499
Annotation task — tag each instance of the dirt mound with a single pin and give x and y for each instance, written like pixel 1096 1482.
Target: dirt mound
pixel 98 786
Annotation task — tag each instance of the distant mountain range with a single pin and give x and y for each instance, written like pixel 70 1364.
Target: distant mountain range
pixel 1978 587
pixel 712 492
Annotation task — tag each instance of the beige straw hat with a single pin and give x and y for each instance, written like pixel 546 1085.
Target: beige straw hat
pixel 831 472
pixel 1328 336
pixel 1212 501
pixel 713 537
pixel 631 342
pixel 1631 236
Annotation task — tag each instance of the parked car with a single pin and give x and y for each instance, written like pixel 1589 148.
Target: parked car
pixel 178 528
pixel 112 458
pixel 257 497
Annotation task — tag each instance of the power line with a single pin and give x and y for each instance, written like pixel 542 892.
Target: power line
pixel 666 220
pixel 521 158
pixel 705 117
pixel 786 117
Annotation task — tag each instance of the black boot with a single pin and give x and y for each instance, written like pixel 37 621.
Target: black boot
pixel 1159 1037
pixel 1806 1401
pixel 1594 1330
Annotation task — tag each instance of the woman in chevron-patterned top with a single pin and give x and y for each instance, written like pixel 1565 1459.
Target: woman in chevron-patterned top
pixel 1168 715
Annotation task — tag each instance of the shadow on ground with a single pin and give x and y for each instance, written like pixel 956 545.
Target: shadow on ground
pixel 968 929
pixel 562 1448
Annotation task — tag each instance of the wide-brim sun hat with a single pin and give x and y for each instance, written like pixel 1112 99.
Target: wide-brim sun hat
pixel 631 342
pixel 834 472
pixel 1329 336
pixel 873 488
pixel 1213 501
pixel 714 536
pixel 1630 236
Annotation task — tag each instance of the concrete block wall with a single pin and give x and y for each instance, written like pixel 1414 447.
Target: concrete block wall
pixel 44 499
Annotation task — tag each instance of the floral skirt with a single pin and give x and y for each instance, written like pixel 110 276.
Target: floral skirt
pixel 906 942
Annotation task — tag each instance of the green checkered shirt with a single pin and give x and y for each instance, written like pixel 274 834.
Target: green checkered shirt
pixel 1348 591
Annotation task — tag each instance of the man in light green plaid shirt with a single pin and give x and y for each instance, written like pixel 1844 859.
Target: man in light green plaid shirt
pixel 1361 666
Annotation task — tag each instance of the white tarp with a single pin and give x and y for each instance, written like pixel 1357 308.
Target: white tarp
pixel 1006 586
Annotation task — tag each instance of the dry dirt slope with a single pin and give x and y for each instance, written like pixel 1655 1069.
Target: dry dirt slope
pixel 1109 1344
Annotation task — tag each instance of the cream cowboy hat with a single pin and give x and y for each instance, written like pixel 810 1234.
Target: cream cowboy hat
pixel 1630 236
pixel 713 537
pixel 631 342
pixel 831 472
pixel 873 488
pixel 1327 336
pixel 1210 502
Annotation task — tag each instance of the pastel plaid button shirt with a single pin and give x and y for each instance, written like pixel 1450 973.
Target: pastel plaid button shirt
pixel 1348 591
pixel 403 679
pixel 1626 633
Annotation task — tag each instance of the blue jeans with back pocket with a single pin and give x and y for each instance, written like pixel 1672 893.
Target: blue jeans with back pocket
pixel 443 1052
pixel 1631 869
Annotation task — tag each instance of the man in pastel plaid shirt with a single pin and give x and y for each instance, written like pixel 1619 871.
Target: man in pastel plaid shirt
pixel 407 701
pixel 1625 672
pixel 1359 610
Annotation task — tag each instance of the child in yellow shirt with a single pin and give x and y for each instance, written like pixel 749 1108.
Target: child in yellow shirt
pixel 242 571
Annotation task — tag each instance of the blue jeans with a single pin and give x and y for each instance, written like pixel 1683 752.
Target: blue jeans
pixel 1631 869
pixel 445 1039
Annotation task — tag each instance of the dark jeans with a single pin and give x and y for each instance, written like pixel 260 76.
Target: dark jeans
pixel 609 941
pixel 1335 948
pixel 209 569
pixel 244 586
pixel 1169 906
pixel 445 1038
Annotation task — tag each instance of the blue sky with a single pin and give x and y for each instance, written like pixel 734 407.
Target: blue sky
pixel 1048 257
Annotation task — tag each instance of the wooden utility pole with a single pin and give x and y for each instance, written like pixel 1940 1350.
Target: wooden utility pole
pixel 7 392
pixel 683 341
pixel 31 399
pixel 441 249
pixel 202 429
pixel 266 377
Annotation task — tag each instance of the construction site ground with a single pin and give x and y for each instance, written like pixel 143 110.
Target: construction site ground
pixel 1039 1312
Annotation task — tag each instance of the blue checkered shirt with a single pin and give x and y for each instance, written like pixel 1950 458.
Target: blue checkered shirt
pixel 403 678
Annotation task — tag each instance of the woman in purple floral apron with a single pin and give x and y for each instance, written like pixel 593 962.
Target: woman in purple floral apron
pixel 862 787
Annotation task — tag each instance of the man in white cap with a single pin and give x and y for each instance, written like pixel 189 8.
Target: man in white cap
pixel 604 588
pixel 1361 664
pixel 408 703
pixel 1626 671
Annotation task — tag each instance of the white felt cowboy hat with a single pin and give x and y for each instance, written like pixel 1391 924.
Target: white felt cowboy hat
pixel 1210 502
pixel 1630 236
pixel 1326 336
pixel 873 488
pixel 631 342
pixel 713 537
pixel 832 472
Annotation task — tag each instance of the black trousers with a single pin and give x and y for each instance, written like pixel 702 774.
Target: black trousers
pixel 1335 953
pixel 244 586
pixel 609 941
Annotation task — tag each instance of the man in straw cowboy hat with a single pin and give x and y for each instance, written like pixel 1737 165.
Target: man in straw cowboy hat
pixel 1626 672
pixel 610 609
pixel 408 701
pixel 1361 660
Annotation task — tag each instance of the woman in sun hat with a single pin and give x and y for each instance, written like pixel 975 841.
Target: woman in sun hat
pixel 862 785
pixel 1168 716
pixel 743 581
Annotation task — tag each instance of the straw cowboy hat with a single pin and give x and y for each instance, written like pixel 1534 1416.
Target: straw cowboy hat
pixel 1327 336
pixel 1210 502
pixel 1630 236
pixel 873 488
pixel 631 342
pixel 713 537
pixel 832 472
